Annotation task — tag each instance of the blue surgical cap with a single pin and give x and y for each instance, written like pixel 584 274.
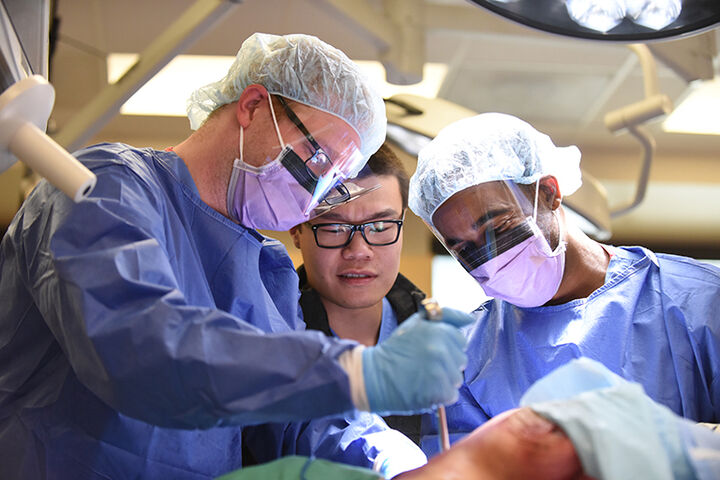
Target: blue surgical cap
pixel 486 148
pixel 305 69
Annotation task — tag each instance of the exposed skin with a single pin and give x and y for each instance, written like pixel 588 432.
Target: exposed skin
pixel 517 444
pixel 461 219
pixel 210 151
pixel 354 304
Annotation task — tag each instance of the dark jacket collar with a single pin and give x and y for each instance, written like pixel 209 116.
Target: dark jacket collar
pixel 404 298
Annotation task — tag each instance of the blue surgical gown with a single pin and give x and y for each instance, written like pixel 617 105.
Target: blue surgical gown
pixel 655 321
pixel 140 328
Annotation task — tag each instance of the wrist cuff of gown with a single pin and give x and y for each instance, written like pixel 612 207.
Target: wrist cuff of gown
pixel 351 362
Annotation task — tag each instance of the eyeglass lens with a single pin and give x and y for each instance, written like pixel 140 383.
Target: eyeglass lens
pixel 335 235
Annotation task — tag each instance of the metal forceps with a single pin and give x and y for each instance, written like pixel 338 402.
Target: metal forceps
pixel 433 312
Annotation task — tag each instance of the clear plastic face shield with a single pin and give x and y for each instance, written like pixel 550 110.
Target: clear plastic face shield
pixel 320 161
pixel 302 176
pixel 492 230
pixel 479 223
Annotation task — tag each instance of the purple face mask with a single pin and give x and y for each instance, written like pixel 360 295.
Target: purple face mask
pixel 266 199
pixel 526 275
pixel 285 192
pixel 270 197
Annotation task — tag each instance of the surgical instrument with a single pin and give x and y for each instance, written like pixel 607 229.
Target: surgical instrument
pixel 433 312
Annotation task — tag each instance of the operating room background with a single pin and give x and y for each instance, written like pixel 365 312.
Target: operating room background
pixel 563 86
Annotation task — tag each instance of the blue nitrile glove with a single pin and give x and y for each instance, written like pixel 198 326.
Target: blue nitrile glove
pixel 618 431
pixel 396 453
pixel 418 366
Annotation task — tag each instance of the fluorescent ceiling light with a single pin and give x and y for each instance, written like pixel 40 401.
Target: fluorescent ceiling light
pixel 433 77
pixel 167 92
pixel 698 111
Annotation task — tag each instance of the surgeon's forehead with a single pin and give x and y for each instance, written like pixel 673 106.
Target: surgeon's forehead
pixel 465 207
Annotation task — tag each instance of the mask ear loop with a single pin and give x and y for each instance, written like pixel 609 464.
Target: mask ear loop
pixel 230 195
pixel 561 230
pixel 277 129
pixel 241 143
pixel 535 207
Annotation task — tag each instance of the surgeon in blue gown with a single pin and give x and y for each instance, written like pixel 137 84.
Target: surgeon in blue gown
pixel 491 187
pixel 141 328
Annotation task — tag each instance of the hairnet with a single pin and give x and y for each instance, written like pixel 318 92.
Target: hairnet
pixel 305 69
pixel 485 148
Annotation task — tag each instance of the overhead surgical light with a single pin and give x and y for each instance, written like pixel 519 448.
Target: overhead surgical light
pixel 654 14
pixel 596 15
pixel 611 20
pixel 604 15
pixel 413 121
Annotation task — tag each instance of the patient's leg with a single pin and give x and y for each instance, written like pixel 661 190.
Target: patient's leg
pixel 517 444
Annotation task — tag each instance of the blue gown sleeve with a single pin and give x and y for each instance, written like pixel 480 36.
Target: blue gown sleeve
pixel 105 283
pixel 358 438
pixel 691 298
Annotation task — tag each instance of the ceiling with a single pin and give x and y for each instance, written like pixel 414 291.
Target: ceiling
pixel 562 86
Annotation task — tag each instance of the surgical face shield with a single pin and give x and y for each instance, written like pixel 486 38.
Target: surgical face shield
pixel 304 69
pixel 354 190
pixel 318 161
pixel 301 182
pixel 491 232
pixel 324 167
pixel 481 222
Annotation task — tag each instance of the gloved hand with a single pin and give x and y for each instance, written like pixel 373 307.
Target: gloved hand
pixel 617 430
pixel 396 453
pixel 418 366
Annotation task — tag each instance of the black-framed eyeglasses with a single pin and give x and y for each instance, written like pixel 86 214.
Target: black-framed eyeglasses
pixel 338 235
pixel 319 162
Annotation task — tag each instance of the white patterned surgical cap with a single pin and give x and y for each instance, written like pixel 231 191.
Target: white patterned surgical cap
pixel 486 148
pixel 305 69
